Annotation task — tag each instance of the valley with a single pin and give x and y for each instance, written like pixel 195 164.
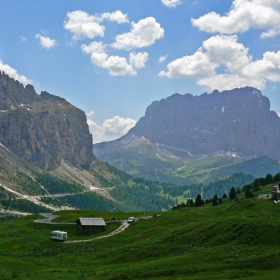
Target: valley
pixel 222 242
pixel 188 139
pixel 139 140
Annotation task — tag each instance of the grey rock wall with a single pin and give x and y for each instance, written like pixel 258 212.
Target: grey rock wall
pixel 238 121
pixel 43 129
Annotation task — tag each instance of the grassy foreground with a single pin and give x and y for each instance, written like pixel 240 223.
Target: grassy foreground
pixel 229 241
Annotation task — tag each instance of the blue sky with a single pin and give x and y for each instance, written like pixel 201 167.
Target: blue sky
pixel 112 58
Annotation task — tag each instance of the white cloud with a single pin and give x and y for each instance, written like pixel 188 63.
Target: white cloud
pixel 23 39
pixel 197 65
pixel 84 25
pixel 142 34
pixel 91 113
pixel 243 15
pixel 117 66
pixel 229 81
pixel 138 60
pixel 46 42
pixel 117 16
pixel 171 3
pixel 111 129
pixel 278 115
pixel 162 58
pixel 13 73
pixel 270 33
pixel 226 51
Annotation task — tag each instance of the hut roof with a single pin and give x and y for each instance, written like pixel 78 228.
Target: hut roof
pixel 91 221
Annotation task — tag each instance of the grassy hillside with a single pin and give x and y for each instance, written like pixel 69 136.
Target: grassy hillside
pixel 124 192
pixel 233 240
pixel 141 158
pixel 100 186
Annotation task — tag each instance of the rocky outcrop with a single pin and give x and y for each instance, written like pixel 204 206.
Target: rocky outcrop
pixel 236 121
pixel 43 129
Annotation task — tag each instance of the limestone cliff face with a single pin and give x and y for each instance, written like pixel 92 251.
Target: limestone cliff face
pixel 43 129
pixel 237 121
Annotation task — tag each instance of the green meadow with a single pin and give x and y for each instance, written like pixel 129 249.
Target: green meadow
pixel 234 240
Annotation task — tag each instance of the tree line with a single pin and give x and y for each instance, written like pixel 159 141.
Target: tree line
pixel 247 189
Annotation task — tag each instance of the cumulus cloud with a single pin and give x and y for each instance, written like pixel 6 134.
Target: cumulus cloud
pixel 117 66
pixel 240 68
pixel 13 73
pixel 111 129
pixel 91 113
pixel 46 42
pixel 117 16
pixel 144 33
pixel 23 39
pixel 270 33
pixel 84 25
pixel 138 60
pixel 162 58
pixel 197 65
pixel 243 15
pixel 171 3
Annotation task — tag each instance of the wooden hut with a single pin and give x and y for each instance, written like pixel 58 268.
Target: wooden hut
pixel 90 225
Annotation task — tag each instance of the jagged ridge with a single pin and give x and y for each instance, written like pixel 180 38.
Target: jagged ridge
pixel 42 129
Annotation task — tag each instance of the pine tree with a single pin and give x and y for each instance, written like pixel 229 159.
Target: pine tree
pixel 215 200
pixel 232 193
pixel 198 200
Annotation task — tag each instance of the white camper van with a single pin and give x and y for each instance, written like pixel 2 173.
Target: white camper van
pixel 58 235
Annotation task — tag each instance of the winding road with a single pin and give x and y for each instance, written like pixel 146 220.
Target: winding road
pixel 49 217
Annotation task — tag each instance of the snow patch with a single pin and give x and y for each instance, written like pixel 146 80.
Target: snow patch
pixel 93 188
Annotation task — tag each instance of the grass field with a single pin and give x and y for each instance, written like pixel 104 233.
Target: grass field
pixel 233 240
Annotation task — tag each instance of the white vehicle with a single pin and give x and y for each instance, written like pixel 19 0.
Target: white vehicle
pixel 58 235
pixel 131 220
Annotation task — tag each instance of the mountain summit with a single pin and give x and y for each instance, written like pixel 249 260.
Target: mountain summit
pixel 42 129
pixel 236 123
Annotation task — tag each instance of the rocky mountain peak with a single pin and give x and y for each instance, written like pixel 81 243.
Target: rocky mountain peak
pixel 43 129
pixel 237 121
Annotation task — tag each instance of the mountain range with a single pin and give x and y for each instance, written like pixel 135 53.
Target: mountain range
pixel 47 161
pixel 186 138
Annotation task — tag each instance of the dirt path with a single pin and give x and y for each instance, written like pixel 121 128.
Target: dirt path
pixel 124 226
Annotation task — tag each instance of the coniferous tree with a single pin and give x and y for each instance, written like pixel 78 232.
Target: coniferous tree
pixel 256 184
pixel 232 193
pixel 198 200
pixel 215 200
pixel 248 194
pixel 276 178
pixel 268 179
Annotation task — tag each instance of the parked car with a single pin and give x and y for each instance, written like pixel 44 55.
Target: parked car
pixel 131 220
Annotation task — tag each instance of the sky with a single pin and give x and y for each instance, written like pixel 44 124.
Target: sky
pixel 113 58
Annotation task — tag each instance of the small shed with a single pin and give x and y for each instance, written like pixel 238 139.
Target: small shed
pixel 90 225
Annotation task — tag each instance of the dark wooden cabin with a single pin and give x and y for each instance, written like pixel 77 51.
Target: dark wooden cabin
pixel 90 225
